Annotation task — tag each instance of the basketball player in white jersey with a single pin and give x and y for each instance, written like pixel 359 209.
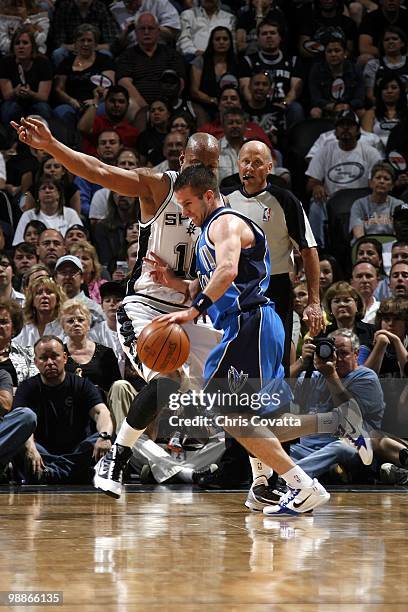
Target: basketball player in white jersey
pixel 167 234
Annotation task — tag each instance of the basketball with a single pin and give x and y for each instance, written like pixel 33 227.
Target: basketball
pixel 163 347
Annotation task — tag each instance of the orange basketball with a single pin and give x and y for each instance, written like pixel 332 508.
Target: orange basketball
pixel 163 347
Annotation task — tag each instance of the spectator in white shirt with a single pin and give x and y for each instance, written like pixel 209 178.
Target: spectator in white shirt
pixel 365 280
pixel 197 24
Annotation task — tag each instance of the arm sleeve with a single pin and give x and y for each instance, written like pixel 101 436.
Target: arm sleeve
pixel 185 42
pixel 90 394
pixel 24 394
pixel 316 166
pixel 168 15
pixel 6 383
pixel 299 230
pixel 356 215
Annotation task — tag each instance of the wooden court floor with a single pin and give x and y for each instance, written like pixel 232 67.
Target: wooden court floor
pixel 180 550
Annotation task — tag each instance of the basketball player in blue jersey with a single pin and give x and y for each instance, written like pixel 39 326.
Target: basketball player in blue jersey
pixel 232 261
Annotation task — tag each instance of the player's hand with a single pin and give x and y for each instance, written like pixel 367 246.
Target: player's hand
pixel 180 317
pixel 162 274
pixel 313 317
pixel 101 447
pixel 34 460
pixel 33 133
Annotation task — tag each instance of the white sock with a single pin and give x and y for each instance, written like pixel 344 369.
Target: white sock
pixel 259 468
pixel 127 435
pixel 186 474
pixel 327 422
pixel 297 478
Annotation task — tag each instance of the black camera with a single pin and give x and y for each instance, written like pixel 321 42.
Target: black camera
pixel 325 348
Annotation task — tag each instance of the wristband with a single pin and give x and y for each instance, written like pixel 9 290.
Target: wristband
pixel 202 302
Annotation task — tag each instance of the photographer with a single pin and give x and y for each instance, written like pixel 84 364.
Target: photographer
pixel 332 379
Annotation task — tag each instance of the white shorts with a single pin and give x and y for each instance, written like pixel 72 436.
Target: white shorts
pixel 137 311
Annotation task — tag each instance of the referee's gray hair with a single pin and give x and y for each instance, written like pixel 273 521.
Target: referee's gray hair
pixel 346 333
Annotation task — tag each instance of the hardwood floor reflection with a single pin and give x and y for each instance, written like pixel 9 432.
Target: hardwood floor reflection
pixel 172 550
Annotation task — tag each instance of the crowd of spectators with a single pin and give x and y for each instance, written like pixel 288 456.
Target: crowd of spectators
pixel 322 83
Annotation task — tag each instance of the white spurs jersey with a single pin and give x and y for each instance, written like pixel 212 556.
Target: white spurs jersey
pixel 170 236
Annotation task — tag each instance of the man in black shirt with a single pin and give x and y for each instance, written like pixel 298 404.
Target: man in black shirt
pixel 62 448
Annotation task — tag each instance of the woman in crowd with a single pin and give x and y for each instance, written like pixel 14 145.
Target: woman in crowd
pixel 151 140
pixel 345 307
pixel 52 169
pixel 25 79
pixel 49 209
pixel 32 231
pixel 206 71
pixel 85 357
pixel 36 271
pixel 181 121
pixel 18 361
pixel 393 59
pixel 390 107
pixel 43 302
pixel 18 13
pixel 335 80
pixel 372 214
pixel 329 272
pixel 86 252
pixel 73 85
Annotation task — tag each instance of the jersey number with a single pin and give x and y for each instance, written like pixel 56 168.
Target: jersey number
pixel 183 266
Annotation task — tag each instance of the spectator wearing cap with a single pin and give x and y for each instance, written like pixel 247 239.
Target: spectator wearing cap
pixel 7 292
pixel 208 70
pixel 75 233
pixel 343 164
pixel 335 80
pixel 116 108
pixel 373 214
pixel 49 209
pixel 198 23
pixel 24 256
pixel 126 12
pixel 69 274
pixel 139 67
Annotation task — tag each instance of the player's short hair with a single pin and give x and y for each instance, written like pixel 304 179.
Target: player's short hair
pixel 199 178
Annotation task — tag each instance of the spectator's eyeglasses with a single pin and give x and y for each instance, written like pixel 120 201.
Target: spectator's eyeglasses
pixel 5 263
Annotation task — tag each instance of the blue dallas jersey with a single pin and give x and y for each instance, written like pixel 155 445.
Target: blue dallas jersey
pixel 247 290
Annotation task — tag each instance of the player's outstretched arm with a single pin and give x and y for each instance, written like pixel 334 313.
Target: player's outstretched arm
pixel 36 134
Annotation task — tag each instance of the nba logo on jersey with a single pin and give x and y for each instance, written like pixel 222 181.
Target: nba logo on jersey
pixel 266 214
pixel 236 381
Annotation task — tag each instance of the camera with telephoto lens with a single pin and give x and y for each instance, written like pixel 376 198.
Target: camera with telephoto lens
pixel 325 348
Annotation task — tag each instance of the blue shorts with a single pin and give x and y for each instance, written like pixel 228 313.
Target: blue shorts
pixel 249 355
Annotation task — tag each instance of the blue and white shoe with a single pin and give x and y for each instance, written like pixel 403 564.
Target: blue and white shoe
pixel 299 501
pixel 352 431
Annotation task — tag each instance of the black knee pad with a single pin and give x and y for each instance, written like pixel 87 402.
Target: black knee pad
pixel 149 401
